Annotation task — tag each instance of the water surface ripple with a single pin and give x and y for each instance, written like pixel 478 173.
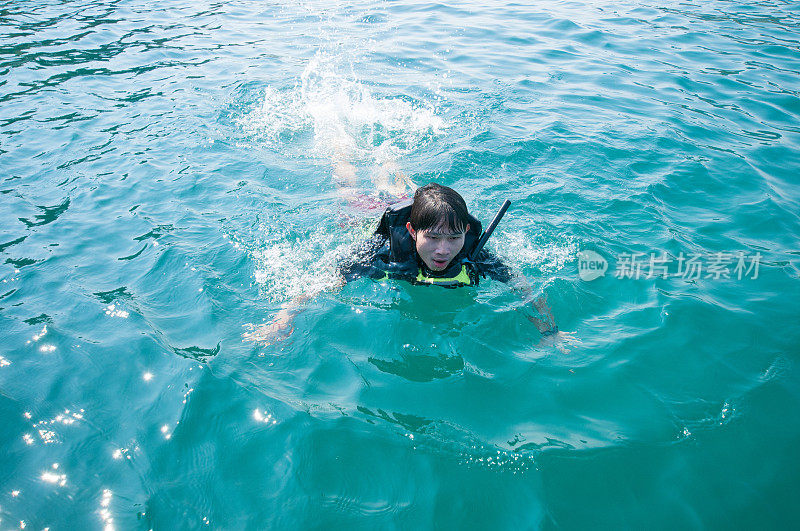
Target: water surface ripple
pixel 167 182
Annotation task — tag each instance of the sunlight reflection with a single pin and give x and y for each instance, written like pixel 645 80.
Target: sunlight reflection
pixel 105 513
pixel 54 477
pixel 46 434
pixel 264 417
pixel 112 311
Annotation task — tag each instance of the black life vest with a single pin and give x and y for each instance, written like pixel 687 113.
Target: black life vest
pixel 398 257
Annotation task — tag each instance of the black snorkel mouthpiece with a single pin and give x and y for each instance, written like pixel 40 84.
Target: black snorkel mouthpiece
pixel 489 230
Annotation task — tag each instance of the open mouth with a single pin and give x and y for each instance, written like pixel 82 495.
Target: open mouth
pixel 440 264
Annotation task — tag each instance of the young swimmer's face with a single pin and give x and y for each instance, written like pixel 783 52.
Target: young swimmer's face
pixel 437 246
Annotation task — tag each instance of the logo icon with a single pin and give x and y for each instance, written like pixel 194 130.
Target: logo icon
pixel 591 265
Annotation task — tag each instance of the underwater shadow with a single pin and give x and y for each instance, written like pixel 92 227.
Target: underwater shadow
pixel 421 367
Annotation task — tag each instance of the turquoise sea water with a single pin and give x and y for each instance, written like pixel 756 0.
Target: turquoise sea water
pixel 167 182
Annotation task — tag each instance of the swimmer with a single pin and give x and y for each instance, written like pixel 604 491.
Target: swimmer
pixel 427 241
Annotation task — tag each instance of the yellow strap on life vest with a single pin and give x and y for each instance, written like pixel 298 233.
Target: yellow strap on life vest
pixel 462 278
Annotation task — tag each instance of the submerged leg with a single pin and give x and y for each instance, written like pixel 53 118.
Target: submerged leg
pixel 390 180
pixel 344 173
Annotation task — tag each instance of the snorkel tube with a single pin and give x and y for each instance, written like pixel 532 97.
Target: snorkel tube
pixel 489 230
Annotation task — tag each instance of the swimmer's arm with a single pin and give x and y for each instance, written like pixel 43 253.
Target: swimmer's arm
pixel 293 307
pixel 344 274
pixel 281 324
pixel 537 311
pixel 540 314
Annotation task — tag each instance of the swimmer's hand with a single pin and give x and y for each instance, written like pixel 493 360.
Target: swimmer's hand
pixel 559 340
pixel 278 329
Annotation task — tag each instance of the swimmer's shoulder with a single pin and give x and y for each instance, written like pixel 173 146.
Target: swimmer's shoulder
pixel 492 266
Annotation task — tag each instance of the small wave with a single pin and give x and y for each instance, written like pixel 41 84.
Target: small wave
pixel 779 367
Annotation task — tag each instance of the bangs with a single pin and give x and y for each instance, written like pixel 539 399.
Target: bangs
pixel 441 218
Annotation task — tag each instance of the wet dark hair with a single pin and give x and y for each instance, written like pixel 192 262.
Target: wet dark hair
pixel 438 206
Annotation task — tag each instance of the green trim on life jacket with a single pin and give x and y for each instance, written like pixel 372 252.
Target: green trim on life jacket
pixel 462 279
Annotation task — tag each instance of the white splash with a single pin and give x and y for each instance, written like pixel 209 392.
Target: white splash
pixel 346 118
pixel 522 251
pixel 286 270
